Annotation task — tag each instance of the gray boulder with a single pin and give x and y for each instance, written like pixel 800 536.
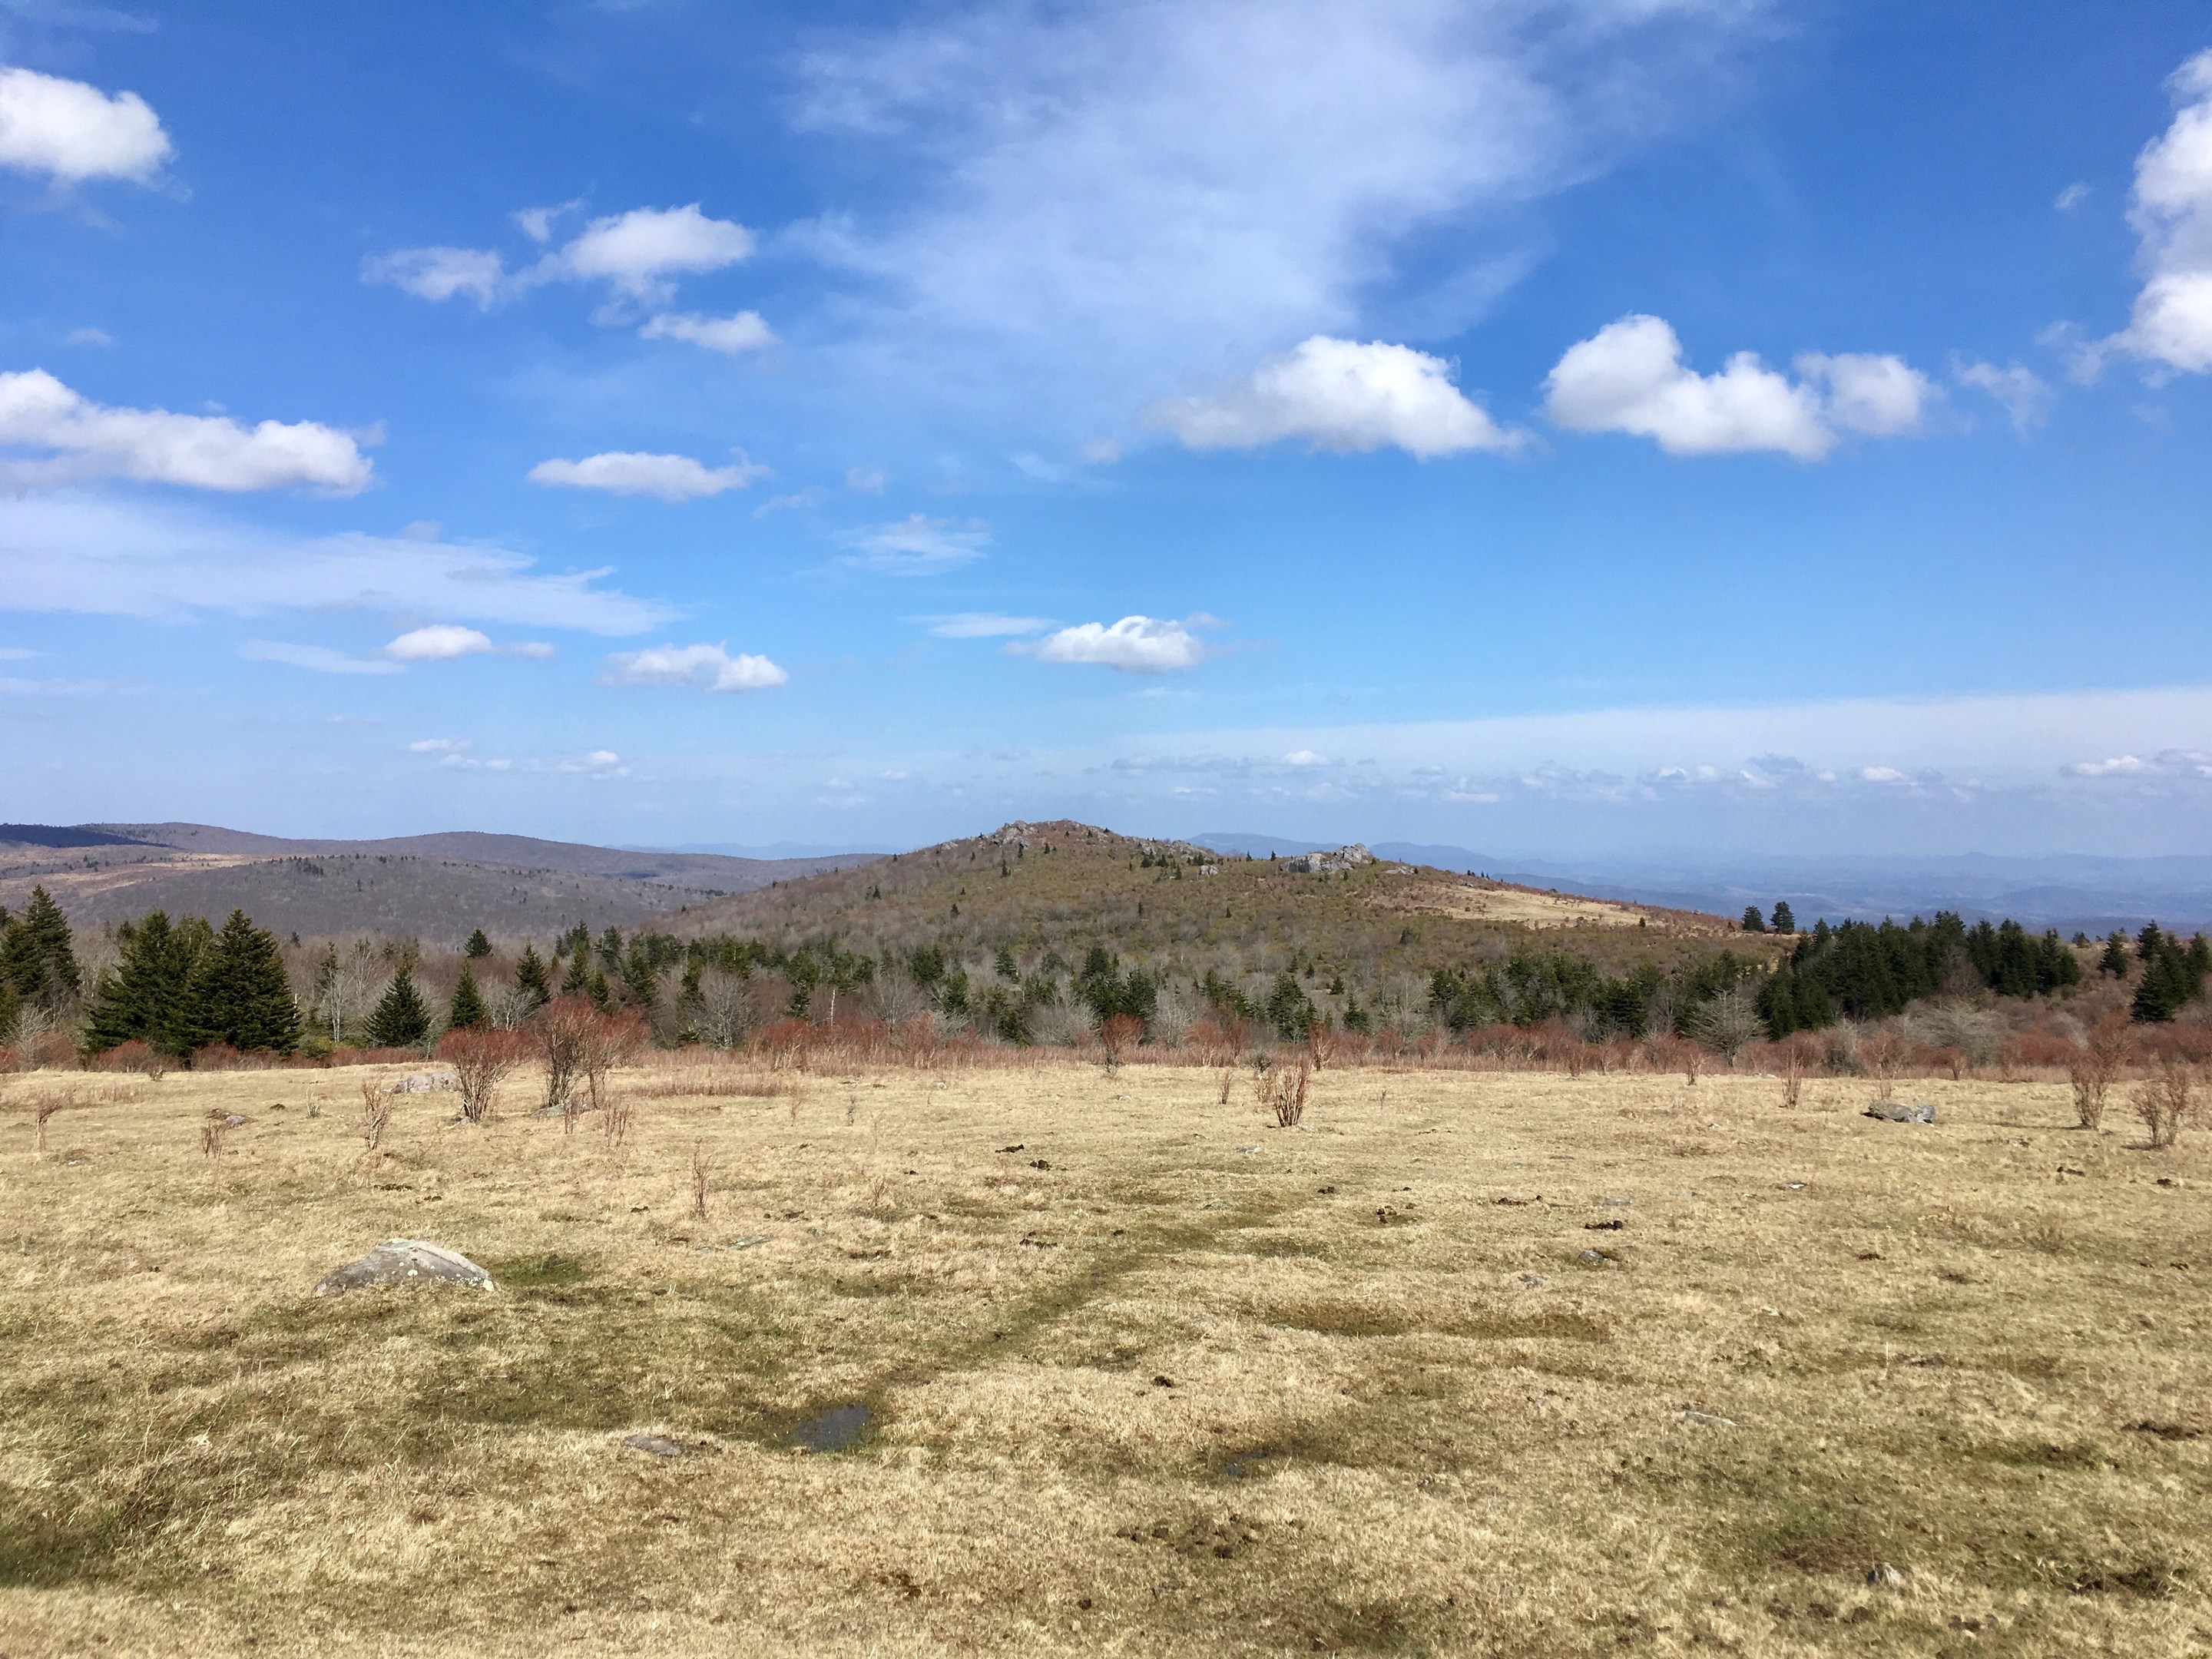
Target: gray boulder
pixel 1891 1112
pixel 425 1083
pixel 404 1260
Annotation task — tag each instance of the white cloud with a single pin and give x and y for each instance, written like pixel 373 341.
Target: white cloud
pixel 1135 645
pixel 602 757
pixel 439 745
pixel 321 659
pixel 730 335
pixel 671 477
pixel 2171 212
pixel 537 223
pixel 72 131
pixel 1629 377
pixel 121 558
pixel 439 642
pixel 2070 197
pixel 1881 774
pixel 639 251
pixel 813 495
pixel 1118 197
pixel 1340 395
pixel 636 253
pixel 1304 757
pixel 440 273
pixel 17 654
pixel 2021 392
pixel 152 445
pixel 918 546
pixel 704 667
pixel 865 480
pixel 983 625
pixel 2120 766
pixel 88 336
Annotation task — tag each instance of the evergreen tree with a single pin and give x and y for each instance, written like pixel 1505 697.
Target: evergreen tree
pixel 579 978
pixel 401 1019
pixel 2173 978
pixel 530 978
pixel 2115 959
pixel 598 989
pixel 239 993
pixel 1783 922
pixel 479 946
pixel 638 977
pixel 35 956
pixel 2148 944
pixel 147 995
pixel 611 949
pixel 11 1010
pixel 1289 1010
pixel 469 1012
pixel 1753 921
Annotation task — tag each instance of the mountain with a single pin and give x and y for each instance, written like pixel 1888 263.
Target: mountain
pixel 435 887
pixel 2068 891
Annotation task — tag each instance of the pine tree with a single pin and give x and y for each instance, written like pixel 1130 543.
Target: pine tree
pixel 602 996
pixel 1753 921
pixel 35 956
pixel 146 995
pixel 577 980
pixel 239 993
pixel 401 1019
pixel 2115 959
pixel 479 946
pixel 469 1012
pixel 1784 922
pixel 531 980
pixel 638 977
pixel 11 1010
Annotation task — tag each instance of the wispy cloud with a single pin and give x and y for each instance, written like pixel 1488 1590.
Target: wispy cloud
pixel 669 478
pixel 917 546
pixel 982 625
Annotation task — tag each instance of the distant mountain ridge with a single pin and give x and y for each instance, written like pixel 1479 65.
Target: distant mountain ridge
pixel 431 886
pixel 2068 891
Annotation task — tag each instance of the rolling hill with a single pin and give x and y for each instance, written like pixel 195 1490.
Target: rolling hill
pixel 435 887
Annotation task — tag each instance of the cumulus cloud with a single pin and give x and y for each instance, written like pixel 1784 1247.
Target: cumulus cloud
pixel 1247 170
pixel 983 625
pixel 1304 757
pixel 439 642
pixel 2172 212
pixel 2120 766
pixel 671 477
pixel 1135 645
pixel 918 546
pixel 85 439
pixel 131 559
pixel 2021 392
pixel 637 254
pixel 1340 395
pixel 1629 377
pixel 701 667
pixel 320 659
pixel 729 335
pixel 71 132
pixel 440 273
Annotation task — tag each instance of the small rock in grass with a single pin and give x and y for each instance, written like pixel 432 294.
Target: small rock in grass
pixel 1533 1281
pixel 1248 1149
pixel 77 1154
pixel 401 1260
pixel 1885 1575
pixel 1708 1420
pixel 234 1121
pixel 1597 1258
pixel 654 1445
pixel 1891 1112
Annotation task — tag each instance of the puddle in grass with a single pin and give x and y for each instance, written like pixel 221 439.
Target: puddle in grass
pixel 833 1429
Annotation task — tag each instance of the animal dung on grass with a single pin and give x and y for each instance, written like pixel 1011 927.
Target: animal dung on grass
pixel 1891 1112
pixel 404 1260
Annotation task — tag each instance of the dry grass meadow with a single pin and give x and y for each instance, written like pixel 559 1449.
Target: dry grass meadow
pixel 1142 1376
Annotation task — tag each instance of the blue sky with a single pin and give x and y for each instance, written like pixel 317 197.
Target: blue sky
pixel 1600 428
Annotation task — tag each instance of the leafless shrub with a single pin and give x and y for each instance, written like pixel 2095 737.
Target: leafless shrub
pixel 618 1111
pixel 2165 1103
pixel 44 1107
pixel 481 1061
pixel 1793 1075
pixel 1282 1090
pixel 1885 1053
pixel 562 1029
pixel 609 1040
pixel 1228 1076
pixel 701 1173
pixel 213 1127
pixel 1730 1023
pixel 375 1111
pixel 2095 1067
pixel 1119 1033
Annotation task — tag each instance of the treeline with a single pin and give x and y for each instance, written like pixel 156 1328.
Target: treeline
pixel 178 986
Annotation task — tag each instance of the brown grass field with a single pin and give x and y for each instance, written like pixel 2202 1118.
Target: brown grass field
pixel 1143 1376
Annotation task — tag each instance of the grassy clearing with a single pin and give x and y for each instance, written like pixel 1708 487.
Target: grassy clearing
pixel 1139 1373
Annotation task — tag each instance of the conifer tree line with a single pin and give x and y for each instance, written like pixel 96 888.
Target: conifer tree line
pixel 180 984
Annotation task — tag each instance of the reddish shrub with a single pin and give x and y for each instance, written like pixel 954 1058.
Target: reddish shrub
pixel 481 1059
pixel 1121 1032
pixel 784 1046
pixel 136 1055
pixel 2047 1048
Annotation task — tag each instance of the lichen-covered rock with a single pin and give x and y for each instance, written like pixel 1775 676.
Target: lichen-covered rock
pixel 1891 1112
pixel 425 1083
pixel 404 1260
